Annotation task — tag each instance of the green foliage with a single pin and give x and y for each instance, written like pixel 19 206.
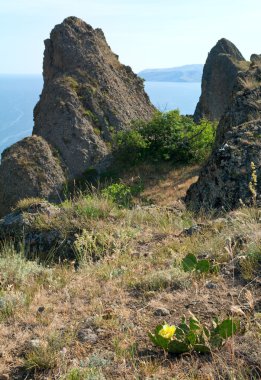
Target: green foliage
pixel 190 263
pixel 168 136
pixel 118 193
pixel 191 335
pixel 130 146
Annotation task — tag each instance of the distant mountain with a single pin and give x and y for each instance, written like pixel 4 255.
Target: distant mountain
pixel 187 73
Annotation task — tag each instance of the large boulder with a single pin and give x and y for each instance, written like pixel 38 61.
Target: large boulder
pixel 227 178
pixel 224 181
pixel 245 102
pixel 220 72
pixel 29 168
pixel 25 223
pixel 88 94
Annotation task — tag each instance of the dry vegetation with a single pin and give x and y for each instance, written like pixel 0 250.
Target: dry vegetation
pixel 90 320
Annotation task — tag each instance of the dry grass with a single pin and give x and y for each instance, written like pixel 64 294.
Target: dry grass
pixel 111 302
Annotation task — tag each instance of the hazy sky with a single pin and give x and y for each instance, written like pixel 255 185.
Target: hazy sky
pixel 144 33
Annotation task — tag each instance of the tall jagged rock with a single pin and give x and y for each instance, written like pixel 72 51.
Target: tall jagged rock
pixel 224 182
pixel 219 76
pixel 29 168
pixel 87 95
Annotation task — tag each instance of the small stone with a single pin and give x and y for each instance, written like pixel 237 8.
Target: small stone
pixel 87 336
pixel 191 230
pixel 161 312
pixel 211 285
pixel 40 309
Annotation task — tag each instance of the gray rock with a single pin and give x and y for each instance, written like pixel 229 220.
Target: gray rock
pixel 211 285
pixel 191 230
pixel 255 59
pixel 87 95
pixel 219 76
pixel 87 336
pixel 224 180
pixel 161 312
pixel 28 169
pixel 20 226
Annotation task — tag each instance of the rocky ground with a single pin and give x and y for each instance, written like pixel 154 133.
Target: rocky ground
pixel 89 317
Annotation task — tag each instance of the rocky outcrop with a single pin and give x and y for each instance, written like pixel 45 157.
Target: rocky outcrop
pixel 224 182
pixel 45 243
pixel 29 168
pixel 245 101
pixel 220 73
pixel 87 95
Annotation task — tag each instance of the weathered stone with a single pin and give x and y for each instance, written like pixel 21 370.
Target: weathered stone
pixel 87 336
pixel 224 180
pixel 29 168
pixel 255 59
pixel 87 95
pixel 21 225
pixel 161 312
pixel 219 76
pixel 245 102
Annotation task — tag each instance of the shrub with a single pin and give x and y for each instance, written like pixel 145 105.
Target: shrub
pixel 168 136
pixel 130 146
pixel 118 193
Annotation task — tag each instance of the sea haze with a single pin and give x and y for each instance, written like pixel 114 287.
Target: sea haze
pixel 19 94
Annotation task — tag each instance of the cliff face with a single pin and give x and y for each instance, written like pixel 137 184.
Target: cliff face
pixel 29 169
pixel 224 180
pixel 87 95
pixel 219 76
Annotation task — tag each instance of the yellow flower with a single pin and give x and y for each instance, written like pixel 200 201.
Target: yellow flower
pixel 167 331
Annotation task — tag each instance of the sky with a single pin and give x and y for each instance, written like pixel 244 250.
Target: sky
pixel 144 33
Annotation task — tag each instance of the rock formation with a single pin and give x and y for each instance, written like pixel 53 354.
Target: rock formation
pixel 224 182
pixel 219 76
pixel 87 95
pixel 29 169
pixel 21 225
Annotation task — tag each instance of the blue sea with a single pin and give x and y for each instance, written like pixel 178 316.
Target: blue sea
pixel 19 94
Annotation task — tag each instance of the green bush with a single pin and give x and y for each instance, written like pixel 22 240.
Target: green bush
pixel 118 193
pixel 168 136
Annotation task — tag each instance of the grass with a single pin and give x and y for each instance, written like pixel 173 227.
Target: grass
pixel 130 266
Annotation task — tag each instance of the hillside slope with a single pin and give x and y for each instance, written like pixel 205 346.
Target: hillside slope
pixel 89 318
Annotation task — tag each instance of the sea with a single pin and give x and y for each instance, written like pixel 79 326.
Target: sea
pixel 20 93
